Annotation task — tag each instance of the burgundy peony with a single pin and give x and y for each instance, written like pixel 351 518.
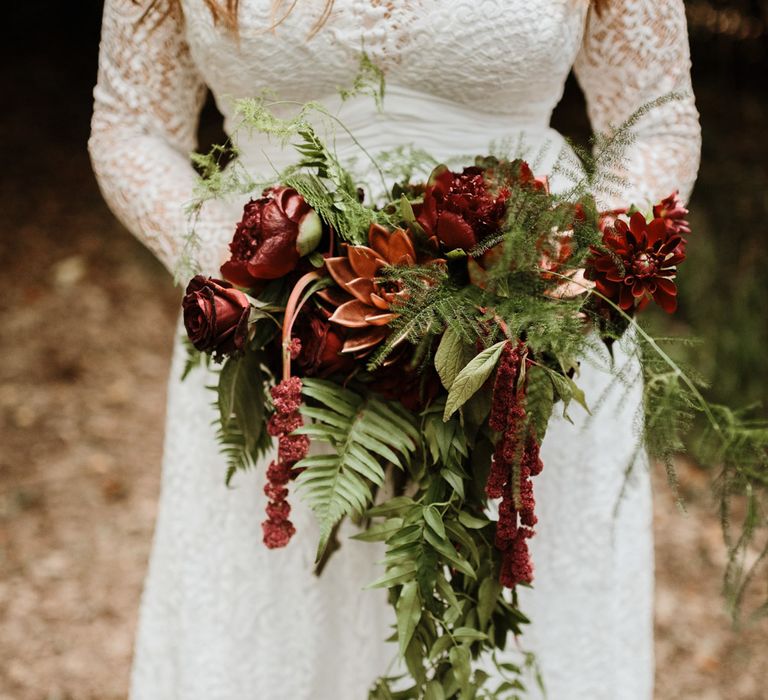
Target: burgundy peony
pixel 215 316
pixel 274 233
pixel 639 263
pixel 459 210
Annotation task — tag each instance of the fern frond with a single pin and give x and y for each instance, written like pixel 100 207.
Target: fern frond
pixel 359 431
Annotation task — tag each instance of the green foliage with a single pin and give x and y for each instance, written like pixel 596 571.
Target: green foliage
pixel 469 380
pixel 440 571
pixel 368 81
pixel 360 432
pixel 241 422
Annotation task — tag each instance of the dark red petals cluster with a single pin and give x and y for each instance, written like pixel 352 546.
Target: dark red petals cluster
pixel 515 460
pixel 275 231
pixel 286 396
pixel 459 210
pixel 673 213
pixel 638 263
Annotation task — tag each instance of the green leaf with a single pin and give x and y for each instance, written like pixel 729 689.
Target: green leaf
pixel 434 691
pixel 449 358
pixel 435 521
pixel 488 594
pixel 441 645
pixel 449 552
pixel 379 532
pixel 456 482
pixel 395 576
pixel 359 430
pixel 408 614
pixel 471 378
pixel 467 634
pixel 446 591
pixel 459 657
pixel 471 522
pixel 578 394
pixel 392 506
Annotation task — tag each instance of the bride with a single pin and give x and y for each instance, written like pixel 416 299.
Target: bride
pixel 223 618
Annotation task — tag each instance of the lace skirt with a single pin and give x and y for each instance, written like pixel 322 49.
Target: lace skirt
pixel 223 618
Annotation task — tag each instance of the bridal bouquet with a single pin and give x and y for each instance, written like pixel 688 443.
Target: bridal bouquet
pixel 425 339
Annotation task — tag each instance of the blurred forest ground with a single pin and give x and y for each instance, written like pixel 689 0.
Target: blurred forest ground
pixel 86 324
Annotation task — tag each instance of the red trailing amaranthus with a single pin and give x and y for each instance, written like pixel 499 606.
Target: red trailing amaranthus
pixel 277 528
pixel 515 460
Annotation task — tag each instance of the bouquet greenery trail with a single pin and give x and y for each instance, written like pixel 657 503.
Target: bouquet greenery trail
pixel 426 339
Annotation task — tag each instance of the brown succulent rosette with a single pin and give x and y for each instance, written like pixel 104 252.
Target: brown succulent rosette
pixel 364 299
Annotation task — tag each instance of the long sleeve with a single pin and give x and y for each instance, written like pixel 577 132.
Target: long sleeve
pixel 634 52
pixel 147 103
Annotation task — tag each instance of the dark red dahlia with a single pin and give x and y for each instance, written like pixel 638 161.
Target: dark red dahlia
pixel 638 263
pixel 674 214
pixel 459 209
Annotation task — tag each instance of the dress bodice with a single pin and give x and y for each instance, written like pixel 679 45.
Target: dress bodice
pixel 460 74
pixel 508 58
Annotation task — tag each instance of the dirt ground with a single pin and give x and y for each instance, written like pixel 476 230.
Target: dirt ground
pixel 86 324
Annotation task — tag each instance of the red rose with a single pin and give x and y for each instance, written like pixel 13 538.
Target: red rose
pixel 215 316
pixel 273 234
pixel 459 210
pixel 321 343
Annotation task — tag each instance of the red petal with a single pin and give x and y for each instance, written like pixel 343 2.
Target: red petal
pixel 340 270
pixel 380 319
pixel 352 314
pixel 378 239
pixel 667 286
pixel 400 247
pixel 275 258
pixel 237 273
pixel 365 340
pixel 639 288
pixel 379 302
pixel 361 288
pixel 637 224
pixel 626 298
pixel 454 232
pixel 334 296
pixel 657 230
pixel 365 261
pixel 666 301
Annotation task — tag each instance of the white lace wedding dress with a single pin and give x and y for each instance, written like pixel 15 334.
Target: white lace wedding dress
pixel 222 617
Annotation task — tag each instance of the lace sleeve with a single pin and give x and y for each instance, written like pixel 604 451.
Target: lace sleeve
pixel 147 103
pixel 634 52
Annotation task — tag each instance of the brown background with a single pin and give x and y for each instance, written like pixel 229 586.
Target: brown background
pixel 86 324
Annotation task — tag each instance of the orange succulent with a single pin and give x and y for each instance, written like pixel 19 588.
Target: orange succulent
pixel 364 299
